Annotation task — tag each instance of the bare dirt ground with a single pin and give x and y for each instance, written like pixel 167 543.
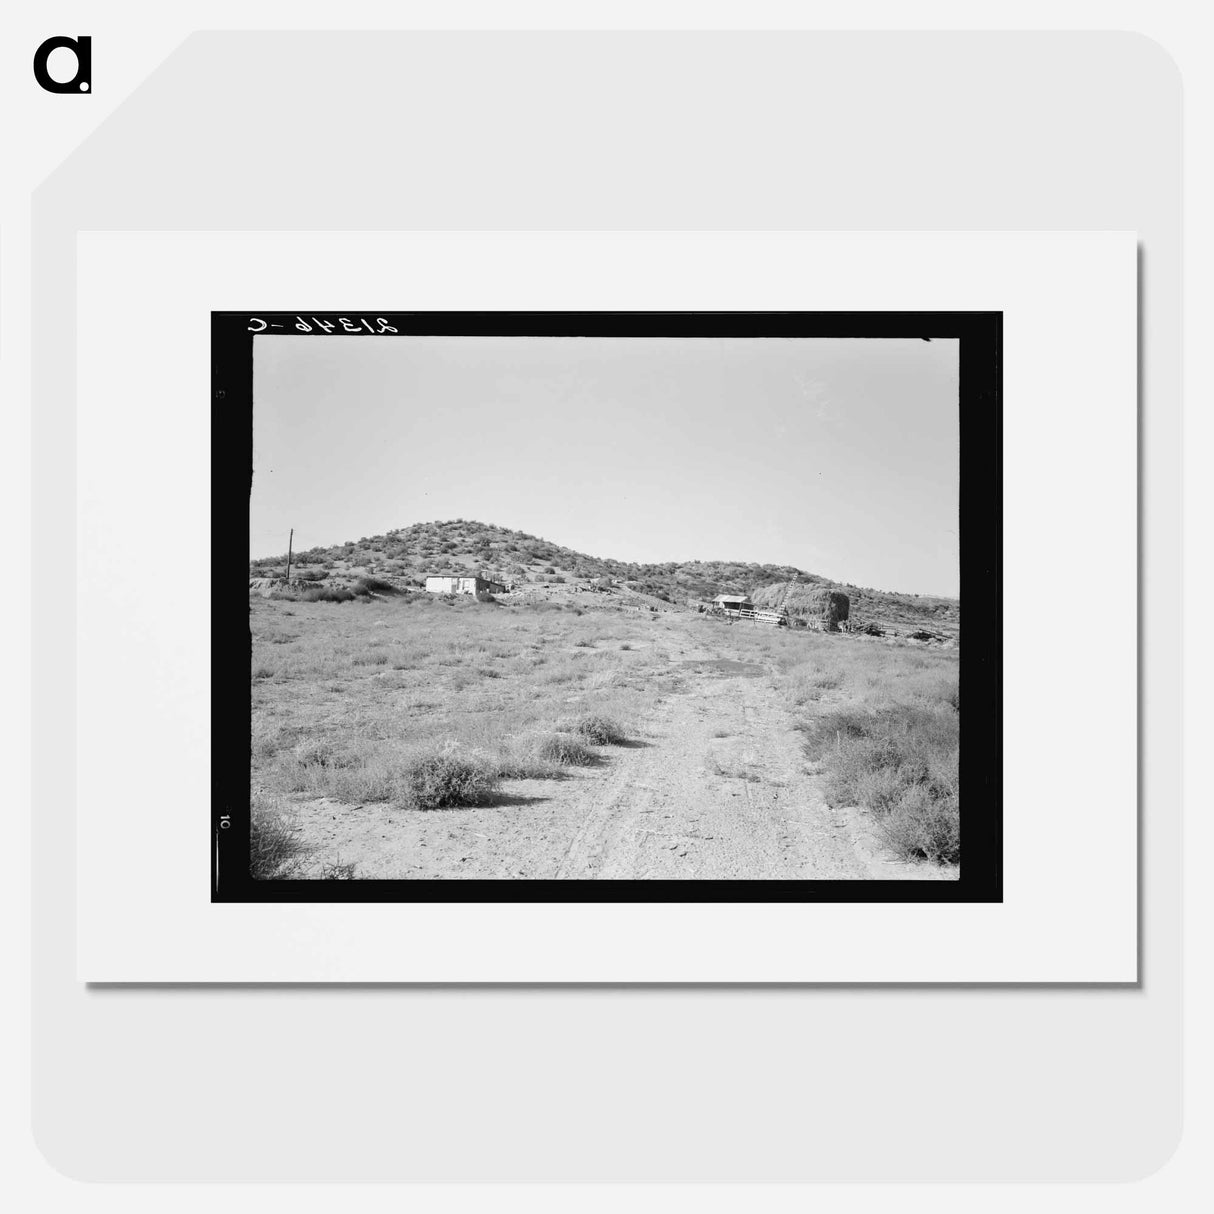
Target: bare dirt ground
pixel 713 784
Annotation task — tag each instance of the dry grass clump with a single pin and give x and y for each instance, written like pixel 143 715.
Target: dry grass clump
pixel 901 763
pixel 358 771
pixel 274 846
pixel 337 871
pixel 597 729
pixel 325 594
pixel 566 750
pixel 924 825
pixel 827 680
pixel 522 761
pixel 373 585
pixel 322 752
pixel 419 778
pixel 545 753
pixel 807 682
pixel 443 779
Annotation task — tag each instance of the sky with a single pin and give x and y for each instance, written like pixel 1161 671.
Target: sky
pixel 838 456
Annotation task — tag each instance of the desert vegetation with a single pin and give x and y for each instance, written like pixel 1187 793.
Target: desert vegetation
pixel 274 843
pixel 424 703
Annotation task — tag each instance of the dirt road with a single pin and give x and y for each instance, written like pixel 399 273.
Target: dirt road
pixel 713 785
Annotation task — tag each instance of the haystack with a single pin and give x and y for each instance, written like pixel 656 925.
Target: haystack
pixel 807 602
pixel 832 607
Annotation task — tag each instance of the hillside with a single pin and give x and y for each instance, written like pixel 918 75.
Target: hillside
pixel 407 555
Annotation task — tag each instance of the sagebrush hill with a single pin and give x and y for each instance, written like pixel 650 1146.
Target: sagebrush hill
pixel 405 557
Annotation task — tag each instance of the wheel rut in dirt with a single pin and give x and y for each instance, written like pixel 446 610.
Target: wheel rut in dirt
pixel 721 792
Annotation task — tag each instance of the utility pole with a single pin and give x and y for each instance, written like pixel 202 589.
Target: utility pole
pixel 290 542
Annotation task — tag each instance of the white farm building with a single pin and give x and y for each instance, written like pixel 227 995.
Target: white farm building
pixel 454 584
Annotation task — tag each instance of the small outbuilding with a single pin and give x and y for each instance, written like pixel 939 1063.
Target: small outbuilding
pixel 733 602
pixel 475 585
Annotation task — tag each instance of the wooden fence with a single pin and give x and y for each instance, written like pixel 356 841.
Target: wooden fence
pixel 782 618
pixel 758 617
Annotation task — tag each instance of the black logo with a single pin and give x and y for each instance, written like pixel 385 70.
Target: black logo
pixel 82 48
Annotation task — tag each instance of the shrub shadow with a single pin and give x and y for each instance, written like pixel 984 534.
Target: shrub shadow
pixel 500 800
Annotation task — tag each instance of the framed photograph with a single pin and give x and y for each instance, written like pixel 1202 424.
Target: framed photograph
pixel 606 606
pixel 601 611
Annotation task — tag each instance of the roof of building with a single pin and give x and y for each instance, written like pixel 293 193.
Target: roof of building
pixel 460 577
pixel 731 598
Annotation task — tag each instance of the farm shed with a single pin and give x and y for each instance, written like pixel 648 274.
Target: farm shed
pixel 453 584
pixel 733 602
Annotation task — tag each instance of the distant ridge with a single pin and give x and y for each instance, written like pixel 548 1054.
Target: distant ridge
pixel 407 555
